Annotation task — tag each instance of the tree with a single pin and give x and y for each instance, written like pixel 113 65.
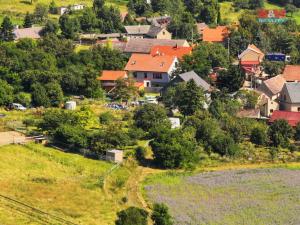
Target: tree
pixel 88 20
pixel 52 7
pixel 224 145
pixel 39 95
pixel 280 132
pixel 273 68
pixel 23 98
pixel 6 93
pixel 174 148
pixel 139 7
pixel 125 90
pixel 231 79
pixel 291 9
pixel 28 20
pixel 132 216
pixel 297 132
pixel 149 116
pixel 191 99
pixel 50 27
pixel 205 57
pixel 160 215
pixel 259 135
pixel 40 12
pixel 6 32
pixel 69 26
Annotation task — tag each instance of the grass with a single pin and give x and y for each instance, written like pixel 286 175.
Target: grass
pixel 235 196
pixel 62 184
pixel 228 12
pixel 16 9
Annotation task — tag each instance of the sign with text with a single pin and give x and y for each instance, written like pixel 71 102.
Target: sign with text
pixel 271 16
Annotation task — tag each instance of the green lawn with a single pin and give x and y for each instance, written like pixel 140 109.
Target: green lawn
pixel 62 184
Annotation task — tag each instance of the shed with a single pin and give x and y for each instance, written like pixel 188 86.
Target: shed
pixel 175 122
pixel 114 156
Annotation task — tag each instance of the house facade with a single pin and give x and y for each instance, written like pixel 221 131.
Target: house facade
pixel 290 97
pixel 269 95
pixel 108 78
pixel 153 71
pixel 147 31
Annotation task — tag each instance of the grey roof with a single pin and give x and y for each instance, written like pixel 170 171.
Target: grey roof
pixel 293 90
pixel 144 45
pixel 160 21
pixel 198 80
pixel 32 32
pixel 137 29
pixel 100 36
pixel 154 31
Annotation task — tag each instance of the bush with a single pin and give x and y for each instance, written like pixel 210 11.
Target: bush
pixel 23 98
pixel 259 135
pixel 140 153
pixel 223 144
pixel 132 216
pixel 106 118
pixel 160 215
pixel 280 133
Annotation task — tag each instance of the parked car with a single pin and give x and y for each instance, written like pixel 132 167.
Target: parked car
pixel 17 106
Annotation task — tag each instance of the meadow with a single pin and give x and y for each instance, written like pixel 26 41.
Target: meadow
pixel 243 196
pixel 65 185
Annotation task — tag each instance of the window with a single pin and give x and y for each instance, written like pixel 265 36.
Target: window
pixel 134 74
pixel 157 76
pixel 298 109
pixel 145 75
pixel 271 111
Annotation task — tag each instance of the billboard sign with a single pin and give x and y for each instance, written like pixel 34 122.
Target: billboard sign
pixel 271 16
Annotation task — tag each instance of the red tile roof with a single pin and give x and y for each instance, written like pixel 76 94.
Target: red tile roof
pixel 217 34
pixel 177 51
pixel 149 63
pixel 112 75
pixel 291 73
pixel 291 117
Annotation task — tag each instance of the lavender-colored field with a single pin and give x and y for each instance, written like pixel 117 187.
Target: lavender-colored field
pixel 256 196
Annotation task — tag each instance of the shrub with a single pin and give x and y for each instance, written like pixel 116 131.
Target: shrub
pixel 106 118
pixel 259 135
pixel 280 132
pixel 23 98
pixel 223 144
pixel 132 216
pixel 140 153
pixel 160 215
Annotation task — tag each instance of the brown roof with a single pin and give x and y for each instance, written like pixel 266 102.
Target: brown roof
pixel 137 29
pixel 292 73
pixel 144 45
pixel 32 32
pixel 273 85
pixel 250 113
pixel 253 48
pixel 149 63
pixel 217 34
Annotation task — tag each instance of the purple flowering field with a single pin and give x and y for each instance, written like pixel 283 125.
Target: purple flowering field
pixel 249 196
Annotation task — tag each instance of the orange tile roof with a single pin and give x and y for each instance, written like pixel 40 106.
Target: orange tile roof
pixel 112 75
pixel 176 51
pixel 291 73
pixel 149 63
pixel 217 34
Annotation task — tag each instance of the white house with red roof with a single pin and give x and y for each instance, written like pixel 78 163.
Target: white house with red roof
pixel 153 71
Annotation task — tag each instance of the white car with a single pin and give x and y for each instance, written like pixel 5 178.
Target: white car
pixel 18 106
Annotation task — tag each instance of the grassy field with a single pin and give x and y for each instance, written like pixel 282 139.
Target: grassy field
pixel 228 12
pixel 16 9
pixel 65 185
pixel 243 196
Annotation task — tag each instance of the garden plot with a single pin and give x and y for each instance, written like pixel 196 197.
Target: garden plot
pixel 256 196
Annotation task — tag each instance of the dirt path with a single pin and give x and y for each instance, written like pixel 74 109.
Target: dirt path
pixel 11 137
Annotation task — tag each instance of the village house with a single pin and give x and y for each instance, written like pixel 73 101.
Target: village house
pixel 200 28
pixel 147 31
pixel 291 73
pixel 154 71
pixel 176 51
pixel 290 97
pixel 291 117
pixel 251 58
pixel 214 35
pixel 145 45
pixel 108 78
pixel 65 9
pixel 160 21
pixel 32 33
pixel 191 75
pixel 269 93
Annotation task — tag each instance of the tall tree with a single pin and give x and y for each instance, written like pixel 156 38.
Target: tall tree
pixel 28 20
pixel 231 79
pixel 6 31
pixel 280 133
pixel 191 99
